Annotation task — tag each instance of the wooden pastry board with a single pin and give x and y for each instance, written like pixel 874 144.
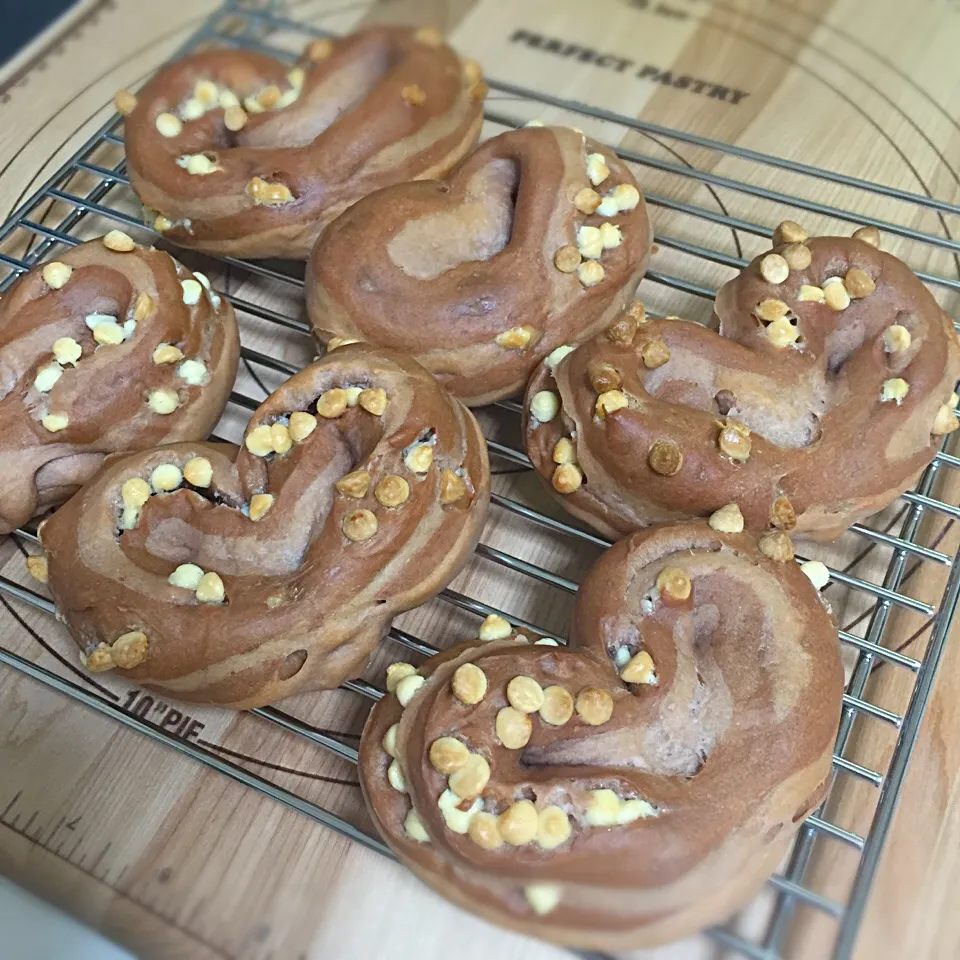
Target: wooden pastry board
pixel 173 860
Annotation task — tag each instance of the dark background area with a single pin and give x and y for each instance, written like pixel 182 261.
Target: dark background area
pixel 23 20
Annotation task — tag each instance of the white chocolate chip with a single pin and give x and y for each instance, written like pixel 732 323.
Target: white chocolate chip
pixel 494 628
pixel 192 109
pixel 66 350
pixel 544 405
pixel 280 438
pixel 816 572
pixel 135 492
pixel 946 421
pixel 166 477
pixel 635 809
pixel 198 471
pixel 782 333
pixel 56 274
pixel 774 268
pixel 288 97
pixel 640 670
pixel 516 338
pixel 603 808
pixel 809 294
pixel 167 353
pixel 197 164
pixel 610 235
pixel 589 242
pixel 395 777
pixel 727 519
pixel 168 125
pixel 836 294
pixel 389 742
pixel 301 425
pixel 597 169
pixel 894 389
pixel 119 242
pixel 207 93
pixel 543 897
pixel 627 196
pixel 456 819
pixel 610 401
pixel 621 658
pixel 163 401
pixel 608 207
pixel 109 334
pixel 55 422
pixel 555 356
pixel 260 504
pixel 192 291
pixel 210 589
pixel 187 576
pixel 396 672
pixel 38 568
pixel 47 376
pixel 193 372
pixel 259 441
pixel 896 338
pixel 419 459
pixel 407 688
pixel 414 829
pixel 590 273
pixel 93 320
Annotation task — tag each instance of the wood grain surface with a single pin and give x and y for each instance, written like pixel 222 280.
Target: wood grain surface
pixel 174 860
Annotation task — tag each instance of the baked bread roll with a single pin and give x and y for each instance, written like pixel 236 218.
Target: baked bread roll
pixel 826 392
pixel 240 154
pixel 534 241
pixel 638 785
pixel 239 578
pixel 112 347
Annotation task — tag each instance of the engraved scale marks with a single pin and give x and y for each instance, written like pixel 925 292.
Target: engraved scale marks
pixel 65 840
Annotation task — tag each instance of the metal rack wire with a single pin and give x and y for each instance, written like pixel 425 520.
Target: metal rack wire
pixel 91 191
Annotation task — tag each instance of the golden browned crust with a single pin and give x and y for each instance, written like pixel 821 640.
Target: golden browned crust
pixel 296 573
pixel 481 275
pixel 707 723
pixel 806 415
pixel 78 379
pixel 278 153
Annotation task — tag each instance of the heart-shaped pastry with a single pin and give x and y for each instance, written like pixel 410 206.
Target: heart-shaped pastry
pixel 238 578
pixel 240 154
pixel 112 347
pixel 638 785
pixel 826 391
pixel 536 240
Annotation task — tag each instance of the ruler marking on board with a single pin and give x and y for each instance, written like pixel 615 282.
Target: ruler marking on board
pixel 90 871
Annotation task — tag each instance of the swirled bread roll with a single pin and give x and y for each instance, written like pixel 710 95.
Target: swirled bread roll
pixel 827 390
pixel 239 578
pixel 112 347
pixel 240 154
pixel 536 240
pixel 641 783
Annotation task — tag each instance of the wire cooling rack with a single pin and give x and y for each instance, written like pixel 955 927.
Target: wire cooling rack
pixel 714 206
